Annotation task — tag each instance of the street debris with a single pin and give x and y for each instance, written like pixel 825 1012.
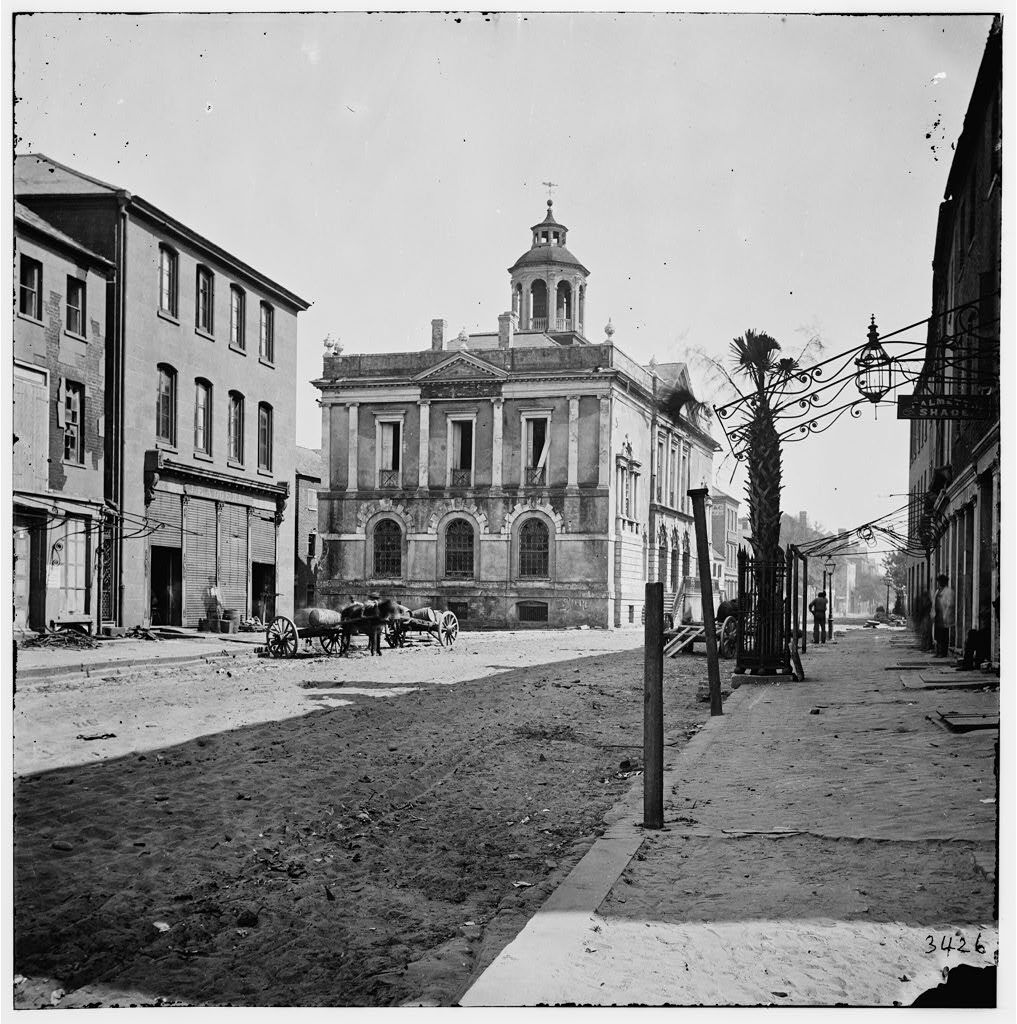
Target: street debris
pixel 61 638
pixel 161 926
pixel 522 885
pixel 97 736
pixel 141 633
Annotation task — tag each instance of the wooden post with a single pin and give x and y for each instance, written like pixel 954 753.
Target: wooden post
pixel 805 601
pixel 653 707
pixel 698 496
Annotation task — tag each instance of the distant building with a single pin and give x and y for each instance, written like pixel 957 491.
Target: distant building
pixel 524 476
pixel 307 482
pixel 200 395
pixel 726 537
pixel 954 471
pixel 59 425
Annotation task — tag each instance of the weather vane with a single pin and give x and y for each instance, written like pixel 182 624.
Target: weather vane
pixel 549 185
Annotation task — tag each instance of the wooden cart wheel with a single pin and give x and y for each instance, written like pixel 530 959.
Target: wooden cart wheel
pixel 729 637
pixel 329 643
pixel 448 629
pixel 344 642
pixel 282 638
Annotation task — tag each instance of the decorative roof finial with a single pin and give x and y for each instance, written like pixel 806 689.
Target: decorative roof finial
pixel 332 346
pixel 609 329
pixel 463 338
pixel 549 185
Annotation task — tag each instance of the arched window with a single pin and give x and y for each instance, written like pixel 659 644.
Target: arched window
pixel 538 305
pixel 264 436
pixel 675 580
pixel 202 416
pixel 166 404
pixel 459 549
pixel 388 549
pixel 686 556
pixel 662 561
pixel 236 428
pixel 238 314
pixel 533 549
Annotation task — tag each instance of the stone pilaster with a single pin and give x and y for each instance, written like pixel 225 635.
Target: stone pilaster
pixel 573 469
pixel 354 447
pixel 604 443
pixel 424 452
pixel 497 423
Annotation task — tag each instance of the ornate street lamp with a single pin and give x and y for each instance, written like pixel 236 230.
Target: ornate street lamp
pixel 875 368
pixel 830 565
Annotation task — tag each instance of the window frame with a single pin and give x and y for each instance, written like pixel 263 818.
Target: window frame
pixel 169 397
pixel 238 318
pixel 169 280
pixel 524 528
pixel 390 482
pixel 204 300
pixel 459 551
pixel 265 444
pixel 266 333
pixel 32 291
pixel 235 428
pixel 452 420
pixel 395 546
pixel 527 472
pixel 75 284
pixel 203 385
pixel 75 428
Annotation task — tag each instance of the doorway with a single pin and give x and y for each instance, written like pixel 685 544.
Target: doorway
pixel 263 590
pixel 166 586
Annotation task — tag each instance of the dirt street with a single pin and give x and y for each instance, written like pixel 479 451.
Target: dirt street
pixel 319 831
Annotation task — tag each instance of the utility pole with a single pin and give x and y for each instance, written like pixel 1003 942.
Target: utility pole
pixel 653 707
pixel 698 496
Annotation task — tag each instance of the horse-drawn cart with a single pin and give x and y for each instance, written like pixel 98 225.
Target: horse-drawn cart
pixel 334 630
pixel 686 628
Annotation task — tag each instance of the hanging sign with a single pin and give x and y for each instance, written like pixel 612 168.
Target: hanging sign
pixel 946 407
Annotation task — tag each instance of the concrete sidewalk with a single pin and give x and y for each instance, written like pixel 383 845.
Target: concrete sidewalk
pixel 825 842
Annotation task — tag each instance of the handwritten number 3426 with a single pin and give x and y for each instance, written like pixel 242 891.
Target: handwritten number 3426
pixel 946 944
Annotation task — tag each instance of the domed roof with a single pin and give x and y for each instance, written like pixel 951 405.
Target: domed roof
pixel 549 252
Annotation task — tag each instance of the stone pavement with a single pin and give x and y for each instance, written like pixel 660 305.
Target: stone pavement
pixel 825 842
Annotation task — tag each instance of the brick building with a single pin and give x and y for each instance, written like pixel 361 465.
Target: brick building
pixel 199 407
pixel 522 476
pixel 727 536
pixel 59 398
pixel 954 467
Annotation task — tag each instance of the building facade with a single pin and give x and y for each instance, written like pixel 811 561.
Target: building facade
pixel 518 477
pixel 954 470
pixel 59 425
pixel 307 550
pixel 727 535
pixel 199 402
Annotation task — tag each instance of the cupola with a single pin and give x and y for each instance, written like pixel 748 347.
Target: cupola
pixel 549 284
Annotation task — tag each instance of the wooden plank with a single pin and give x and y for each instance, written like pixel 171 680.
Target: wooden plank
pixel 958 722
pixel 910 683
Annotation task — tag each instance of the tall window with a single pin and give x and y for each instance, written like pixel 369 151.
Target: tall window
pixel 662 562
pixel 537 442
pixel 74 422
pixel 462 453
pixel 459 549
pixel 30 296
pixel 675 579
pixel 166 405
pixel 203 417
pixel 264 436
pixel 75 306
pixel 672 477
pixel 390 442
pixel 686 556
pixel 266 347
pixel 205 300
pixel 388 549
pixel 237 311
pixel 533 548
pixel 660 470
pixel 236 427
pixel 311 544
pixel 168 280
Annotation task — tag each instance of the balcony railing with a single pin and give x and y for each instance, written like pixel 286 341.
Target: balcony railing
pixel 536 476
pixel 538 323
pixel 462 477
pixel 388 478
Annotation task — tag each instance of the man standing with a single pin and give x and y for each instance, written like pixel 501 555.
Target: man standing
pixel 942 612
pixel 818 609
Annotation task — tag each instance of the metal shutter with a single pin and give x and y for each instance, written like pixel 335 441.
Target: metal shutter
pixel 233 557
pixel 165 511
pixel 262 538
pixel 199 559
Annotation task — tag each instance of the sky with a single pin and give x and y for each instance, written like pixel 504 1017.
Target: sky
pixel 716 172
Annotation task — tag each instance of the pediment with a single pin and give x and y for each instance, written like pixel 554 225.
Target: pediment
pixel 461 366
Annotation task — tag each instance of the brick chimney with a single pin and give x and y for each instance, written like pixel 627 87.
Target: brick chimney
pixel 438 335
pixel 507 324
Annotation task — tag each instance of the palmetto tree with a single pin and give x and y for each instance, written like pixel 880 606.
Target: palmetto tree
pixel 679 401
pixel 755 358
